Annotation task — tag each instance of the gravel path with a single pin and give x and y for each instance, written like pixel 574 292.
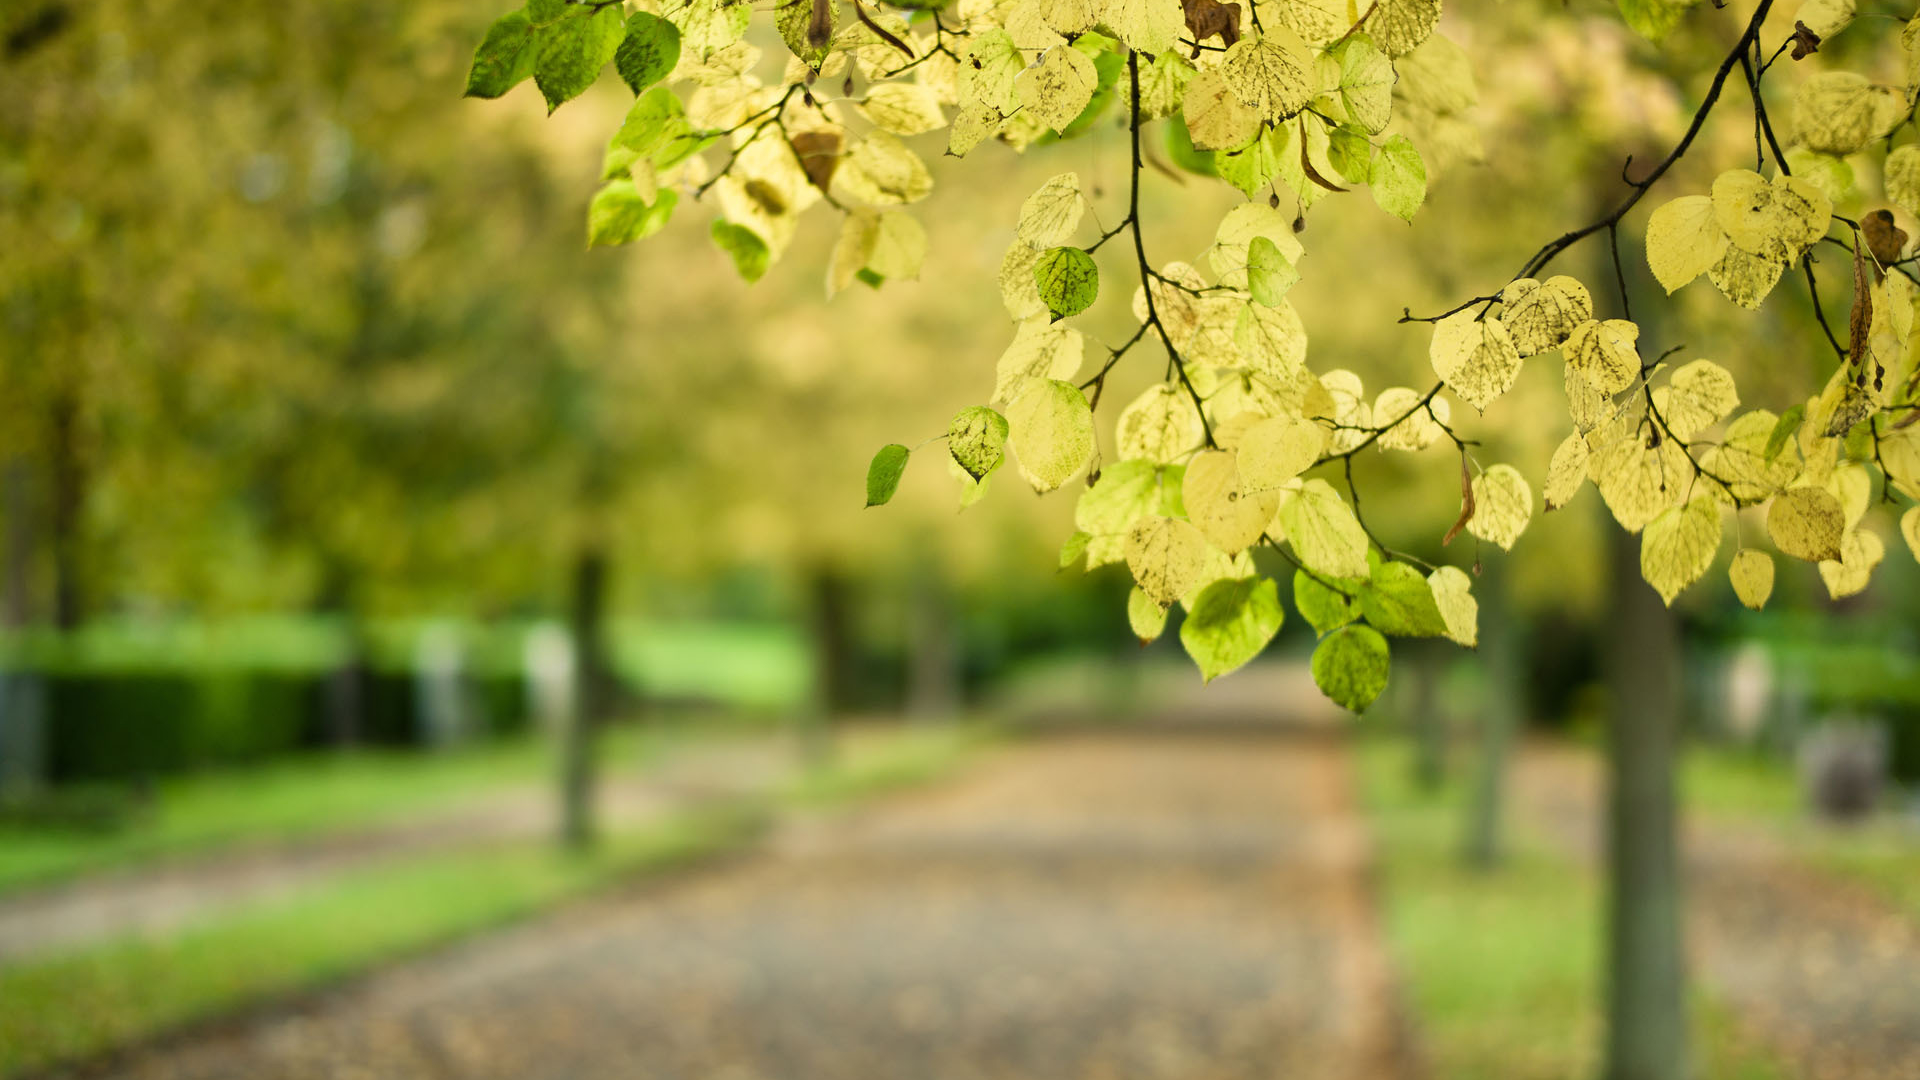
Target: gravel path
pixel 1820 970
pixel 1113 906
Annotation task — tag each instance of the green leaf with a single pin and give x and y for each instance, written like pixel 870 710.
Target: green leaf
pixel 1783 430
pixel 883 474
pixel 504 58
pixel 868 278
pixel 1230 623
pixel 619 215
pixel 750 255
pixel 977 439
pixel 1399 181
pixel 1145 616
pixel 1399 601
pixel 1654 19
pixel 656 128
pixel 1254 166
pixel 1068 281
pixel 572 52
pixel 649 51
pixel 1181 149
pixel 1351 153
pixel 1075 548
pixel 1323 607
pixel 1350 666
pixel 1269 274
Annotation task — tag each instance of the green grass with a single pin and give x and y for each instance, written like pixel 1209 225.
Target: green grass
pixel 287 800
pixel 1882 855
pixel 1502 968
pixel 72 1006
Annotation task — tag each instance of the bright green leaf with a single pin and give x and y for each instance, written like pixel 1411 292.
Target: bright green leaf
pixel 1068 281
pixel 649 51
pixel 1350 666
pixel 1230 623
pixel 749 252
pixel 977 439
pixel 883 474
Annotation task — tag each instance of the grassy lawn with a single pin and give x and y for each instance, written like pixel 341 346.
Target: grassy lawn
pixel 79 1004
pixel 1882 854
pixel 298 798
pixel 1503 969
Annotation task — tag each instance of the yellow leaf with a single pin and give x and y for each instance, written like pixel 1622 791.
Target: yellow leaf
pixel 1160 425
pixel 1684 240
pixel 1051 433
pixel 1151 26
pixel 882 171
pixel 1752 577
pixel 1840 112
pixel 1741 458
pixel 1901 175
pixel 1678 546
pixel 1279 448
pixel 1772 220
pixel 1698 396
pixel 1502 506
pixel 1400 26
pixel 1219 504
pixel 1420 428
pixel 1638 483
pixel 1269 73
pixel 1041 349
pixel 899 246
pixel 1050 215
pixel 1453 595
pixel 1910 529
pixel 1054 91
pixel 904 108
pixel 1325 535
pixel 1806 523
pixel 1018 289
pixel 1853 486
pixel 1165 556
pixel 1604 354
pixel 1566 471
pixel 1745 279
pixel 1860 552
pixel 1541 314
pixel 1216 119
pixel 1271 340
pixel 1243 223
pixel 1476 358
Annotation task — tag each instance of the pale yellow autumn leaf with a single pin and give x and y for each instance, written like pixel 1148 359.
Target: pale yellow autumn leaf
pixel 1453 595
pixel 1566 471
pixel 1752 576
pixel 1541 314
pixel 1684 240
pixel 1677 548
pixel 1807 523
pixel 1475 357
pixel 1166 556
pixel 1052 433
pixel 1160 425
pixel 1502 506
pixel 1220 504
pixel 1860 552
pixel 1323 532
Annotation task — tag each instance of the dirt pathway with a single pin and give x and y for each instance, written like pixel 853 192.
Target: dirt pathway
pixel 1186 904
pixel 1819 969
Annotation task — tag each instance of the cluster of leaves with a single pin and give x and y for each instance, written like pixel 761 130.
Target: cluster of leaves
pixel 1290 102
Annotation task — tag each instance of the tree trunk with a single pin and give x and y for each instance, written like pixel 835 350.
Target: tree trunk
pixel 1424 717
pixel 1483 846
pixel 67 476
pixel 1646 1000
pixel 832 663
pixel 18 605
pixel 933 661
pixel 577 736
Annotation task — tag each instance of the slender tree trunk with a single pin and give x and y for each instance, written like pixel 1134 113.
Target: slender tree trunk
pixel 1483 846
pixel 1424 717
pixel 17 610
pixel 832 635
pixel 1646 998
pixel 67 475
pixel 933 661
pixel 577 736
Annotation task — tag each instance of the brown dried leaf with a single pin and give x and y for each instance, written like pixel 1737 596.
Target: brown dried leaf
pixel 1861 321
pixel 819 154
pixel 1805 41
pixel 1885 240
pixel 1206 18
